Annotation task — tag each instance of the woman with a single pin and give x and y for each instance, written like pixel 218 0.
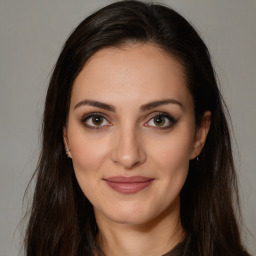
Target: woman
pixel 148 169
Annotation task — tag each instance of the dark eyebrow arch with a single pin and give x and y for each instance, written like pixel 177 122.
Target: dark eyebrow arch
pixel 155 104
pixel 145 107
pixel 95 104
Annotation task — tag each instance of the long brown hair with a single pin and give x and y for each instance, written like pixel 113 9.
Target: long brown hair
pixel 61 219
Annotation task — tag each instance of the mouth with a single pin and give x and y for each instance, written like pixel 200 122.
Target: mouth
pixel 128 185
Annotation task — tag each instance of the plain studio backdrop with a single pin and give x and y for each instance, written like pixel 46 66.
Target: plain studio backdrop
pixel 31 36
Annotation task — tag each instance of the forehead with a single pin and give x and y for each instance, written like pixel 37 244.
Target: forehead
pixel 131 72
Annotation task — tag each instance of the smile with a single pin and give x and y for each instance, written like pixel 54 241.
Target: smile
pixel 128 185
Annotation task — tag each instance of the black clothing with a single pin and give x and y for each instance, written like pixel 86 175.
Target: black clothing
pixel 181 249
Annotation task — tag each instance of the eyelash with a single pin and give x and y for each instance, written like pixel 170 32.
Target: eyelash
pixel 171 120
pixel 168 118
pixel 91 115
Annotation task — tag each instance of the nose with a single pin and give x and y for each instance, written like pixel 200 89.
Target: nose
pixel 128 151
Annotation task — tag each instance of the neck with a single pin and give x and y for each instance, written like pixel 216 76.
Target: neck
pixel 156 237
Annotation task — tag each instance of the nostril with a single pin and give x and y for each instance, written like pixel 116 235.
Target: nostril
pixel 128 162
pixel 128 150
pixel 129 158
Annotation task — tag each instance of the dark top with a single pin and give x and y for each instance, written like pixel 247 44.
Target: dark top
pixel 181 249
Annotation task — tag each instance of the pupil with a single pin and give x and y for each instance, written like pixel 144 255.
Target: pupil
pixel 159 120
pixel 97 120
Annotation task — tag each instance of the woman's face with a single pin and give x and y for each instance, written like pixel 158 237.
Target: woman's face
pixel 131 133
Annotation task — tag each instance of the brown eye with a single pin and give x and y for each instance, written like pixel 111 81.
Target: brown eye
pixel 159 120
pixel 97 120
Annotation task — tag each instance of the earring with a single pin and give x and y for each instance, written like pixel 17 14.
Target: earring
pixel 68 152
pixel 197 158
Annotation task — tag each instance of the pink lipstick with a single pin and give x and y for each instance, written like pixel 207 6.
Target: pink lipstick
pixel 128 185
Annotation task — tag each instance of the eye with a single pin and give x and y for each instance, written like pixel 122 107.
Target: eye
pixel 161 120
pixel 95 121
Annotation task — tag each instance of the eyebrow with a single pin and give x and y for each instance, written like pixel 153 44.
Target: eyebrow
pixel 145 107
pixel 97 104
pixel 158 103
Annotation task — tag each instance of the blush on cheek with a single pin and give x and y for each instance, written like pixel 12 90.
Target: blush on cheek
pixel 88 155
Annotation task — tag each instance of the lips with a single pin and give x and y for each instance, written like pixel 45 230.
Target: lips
pixel 128 185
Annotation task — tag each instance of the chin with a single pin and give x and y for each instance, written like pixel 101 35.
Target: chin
pixel 131 214
pixel 131 219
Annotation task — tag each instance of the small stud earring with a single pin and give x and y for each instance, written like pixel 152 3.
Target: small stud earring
pixel 68 152
pixel 197 158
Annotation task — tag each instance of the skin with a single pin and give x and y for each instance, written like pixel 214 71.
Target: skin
pixel 129 142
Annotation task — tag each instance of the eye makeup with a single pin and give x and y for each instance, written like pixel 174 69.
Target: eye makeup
pixel 95 120
pixel 157 120
pixel 161 120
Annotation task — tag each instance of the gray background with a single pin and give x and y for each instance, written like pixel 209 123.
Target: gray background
pixel 32 34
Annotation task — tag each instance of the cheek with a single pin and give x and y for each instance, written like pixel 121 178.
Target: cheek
pixel 87 162
pixel 89 157
pixel 88 149
pixel 172 152
pixel 170 156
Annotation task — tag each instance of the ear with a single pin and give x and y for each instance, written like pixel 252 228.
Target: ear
pixel 65 140
pixel 201 135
